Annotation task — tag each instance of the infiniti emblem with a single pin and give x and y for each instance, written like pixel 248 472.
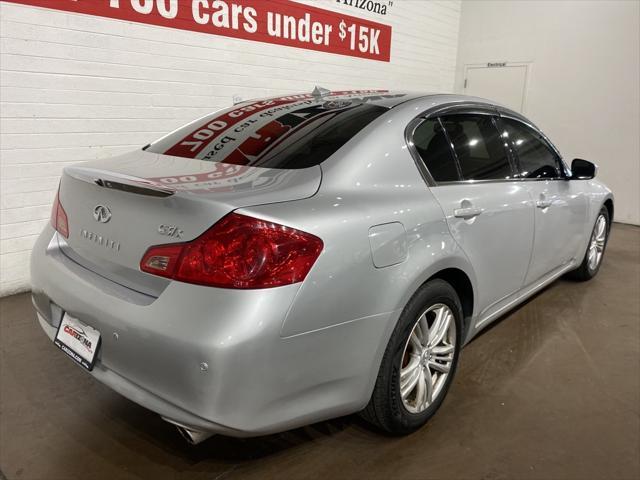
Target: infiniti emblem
pixel 102 214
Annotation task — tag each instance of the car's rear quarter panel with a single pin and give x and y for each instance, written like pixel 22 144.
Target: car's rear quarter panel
pixel 347 305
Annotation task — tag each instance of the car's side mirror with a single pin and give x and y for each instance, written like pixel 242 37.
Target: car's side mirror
pixel 583 169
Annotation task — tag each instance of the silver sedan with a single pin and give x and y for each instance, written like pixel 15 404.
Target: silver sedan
pixel 303 257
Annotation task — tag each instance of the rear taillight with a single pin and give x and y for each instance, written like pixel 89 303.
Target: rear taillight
pixel 59 217
pixel 238 252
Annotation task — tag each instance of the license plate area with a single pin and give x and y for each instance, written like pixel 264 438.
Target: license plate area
pixel 79 341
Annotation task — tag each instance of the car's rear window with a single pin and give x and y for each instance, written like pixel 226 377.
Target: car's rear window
pixel 284 133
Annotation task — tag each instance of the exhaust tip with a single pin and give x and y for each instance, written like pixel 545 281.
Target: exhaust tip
pixel 193 437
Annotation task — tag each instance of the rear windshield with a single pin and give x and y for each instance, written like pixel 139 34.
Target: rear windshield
pixel 290 132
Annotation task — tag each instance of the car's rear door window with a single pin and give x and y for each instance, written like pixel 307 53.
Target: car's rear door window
pixel 431 144
pixel 536 158
pixel 480 151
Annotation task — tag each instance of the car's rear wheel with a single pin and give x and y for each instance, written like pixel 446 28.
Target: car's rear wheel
pixel 595 250
pixel 419 362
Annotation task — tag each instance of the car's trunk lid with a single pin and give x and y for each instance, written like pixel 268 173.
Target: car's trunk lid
pixel 118 208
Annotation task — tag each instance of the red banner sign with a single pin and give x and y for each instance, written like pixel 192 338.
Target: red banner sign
pixel 281 22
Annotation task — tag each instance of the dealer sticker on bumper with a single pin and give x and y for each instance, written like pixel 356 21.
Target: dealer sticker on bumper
pixel 79 341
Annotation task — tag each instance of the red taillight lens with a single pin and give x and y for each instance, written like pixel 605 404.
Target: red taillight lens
pixel 238 252
pixel 59 217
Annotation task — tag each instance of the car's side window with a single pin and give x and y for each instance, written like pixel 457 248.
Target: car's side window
pixel 479 149
pixel 432 146
pixel 535 157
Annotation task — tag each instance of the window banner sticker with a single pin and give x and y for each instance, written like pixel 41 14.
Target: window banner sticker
pixel 280 22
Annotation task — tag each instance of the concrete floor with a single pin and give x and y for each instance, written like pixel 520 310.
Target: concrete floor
pixel 552 390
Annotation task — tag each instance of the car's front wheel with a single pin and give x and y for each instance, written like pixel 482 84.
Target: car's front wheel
pixel 419 362
pixel 595 250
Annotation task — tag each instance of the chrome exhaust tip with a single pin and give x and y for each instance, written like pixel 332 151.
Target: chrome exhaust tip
pixel 193 437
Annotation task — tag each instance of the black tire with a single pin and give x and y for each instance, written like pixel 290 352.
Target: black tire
pixel 585 272
pixel 386 409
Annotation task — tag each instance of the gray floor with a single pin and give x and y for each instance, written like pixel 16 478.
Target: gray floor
pixel 550 391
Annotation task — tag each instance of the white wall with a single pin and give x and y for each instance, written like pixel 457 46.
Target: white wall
pixel 75 87
pixel 584 88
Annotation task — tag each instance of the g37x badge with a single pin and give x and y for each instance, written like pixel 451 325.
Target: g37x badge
pixel 170 231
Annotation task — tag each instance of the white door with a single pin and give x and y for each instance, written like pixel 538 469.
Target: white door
pixel 504 84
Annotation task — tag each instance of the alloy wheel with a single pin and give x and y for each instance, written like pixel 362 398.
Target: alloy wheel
pixel 596 245
pixel 427 358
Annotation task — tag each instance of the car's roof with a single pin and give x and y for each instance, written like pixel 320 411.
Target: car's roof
pixel 383 98
pixel 424 101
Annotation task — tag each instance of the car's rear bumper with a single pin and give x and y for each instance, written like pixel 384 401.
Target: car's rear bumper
pixel 257 382
pixel 145 398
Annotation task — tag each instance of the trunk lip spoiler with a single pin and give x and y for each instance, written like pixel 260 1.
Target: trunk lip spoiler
pixel 119 181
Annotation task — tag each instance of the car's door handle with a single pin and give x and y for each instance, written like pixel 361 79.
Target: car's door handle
pixel 468 212
pixel 543 202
